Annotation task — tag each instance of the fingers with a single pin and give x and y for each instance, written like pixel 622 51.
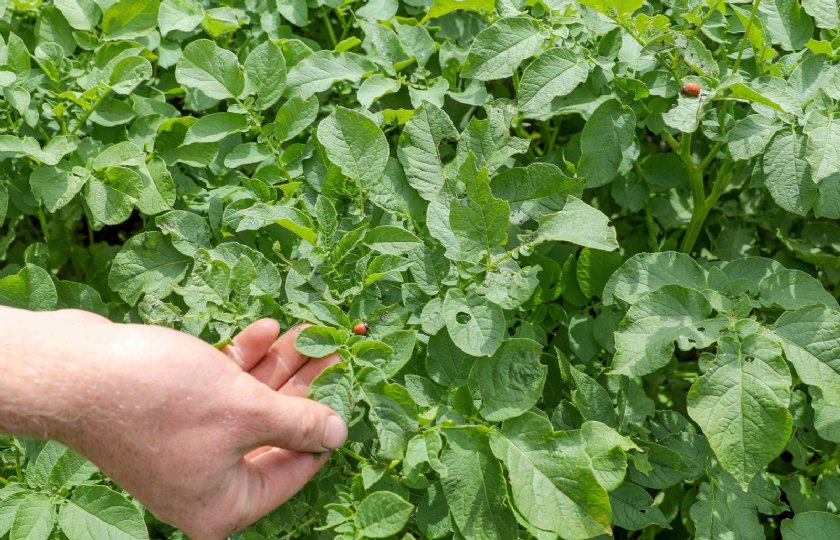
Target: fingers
pixel 299 384
pixel 292 423
pixel 251 344
pixel 275 476
pixel 281 361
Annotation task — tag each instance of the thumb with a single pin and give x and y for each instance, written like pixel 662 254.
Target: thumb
pixel 294 423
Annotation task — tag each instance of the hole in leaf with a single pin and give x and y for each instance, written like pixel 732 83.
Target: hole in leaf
pixel 463 318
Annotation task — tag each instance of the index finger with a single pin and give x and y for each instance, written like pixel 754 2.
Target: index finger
pixel 282 360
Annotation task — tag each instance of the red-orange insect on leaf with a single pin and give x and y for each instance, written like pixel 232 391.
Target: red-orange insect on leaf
pixel 691 89
pixel 360 329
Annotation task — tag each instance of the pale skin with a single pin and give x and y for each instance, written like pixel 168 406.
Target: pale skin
pixel 207 440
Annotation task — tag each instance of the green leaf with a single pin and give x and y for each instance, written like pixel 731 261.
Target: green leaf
pixel 476 325
pixel 419 149
pixel 57 466
pixel 10 498
pixel 686 114
pixel 478 221
pixel 786 23
pixel 187 231
pixel 261 215
pixel 391 240
pixel 808 336
pixel 614 7
pixel 129 73
pixel 498 50
pixel 553 485
pixel 294 116
pixel 750 136
pixel 354 143
pixel 147 264
pixel 647 272
pixel 130 18
pixel 182 15
pixel 793 289
pixel 510 289
pixel 99 512
pixel 825 12
pixel 555 73
pixel 34 519
pixel 215 127
pixel 207 67
pixel 112 194
pixel 723 510
pixel 295 11
pixel 80 14
pixel 511 381
pixel 266 70
pixel 392 413
pixel 578 223
pixel 382 514
pixel 811 526
pixel 644 342
pixel 633 508
pixel 56 187
pixel 608 144
pixel 741 404
pixel 474 488
pixel 319 71
pixel 536 181
pixel 318 341
pixel 594 268
pixel 823 146
pixel 334 388
pixel 375 87
pixel 440 8
pixel 788 174
pixel 30 288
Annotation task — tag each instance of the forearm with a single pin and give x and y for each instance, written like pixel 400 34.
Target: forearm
pixel 39 386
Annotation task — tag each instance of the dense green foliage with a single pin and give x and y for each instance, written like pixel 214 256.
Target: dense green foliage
pixel 597 306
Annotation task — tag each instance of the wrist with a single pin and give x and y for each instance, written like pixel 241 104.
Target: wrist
pixel 40 354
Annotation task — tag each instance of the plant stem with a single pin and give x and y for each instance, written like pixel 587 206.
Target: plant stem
pixel 702 206
pixel 330 32
pixel 656 54
pixel 87 114
pixel 4 481
pixel 45 228
pixel 747 29
pixel 18 469
pixel 703 21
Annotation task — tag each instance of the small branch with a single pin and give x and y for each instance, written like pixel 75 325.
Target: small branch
pixel 705 19
pixel 87 114
pixel 747 29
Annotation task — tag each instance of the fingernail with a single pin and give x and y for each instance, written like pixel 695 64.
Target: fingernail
pixel 335 432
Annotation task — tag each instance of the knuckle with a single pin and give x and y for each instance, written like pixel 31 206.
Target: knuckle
pixel 308 434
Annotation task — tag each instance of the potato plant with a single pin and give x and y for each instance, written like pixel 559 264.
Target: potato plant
pixel 580 257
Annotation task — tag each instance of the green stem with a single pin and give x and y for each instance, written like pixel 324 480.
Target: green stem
pixel 352 454
pixel 747 29
pixel 701 209
pixel 87 114
pixel 18 468
pixel 4 481
pixel 330 32
pixel 45 228
pixel 656 55
pixel 257 124
pixel 709 157
pixel 703 21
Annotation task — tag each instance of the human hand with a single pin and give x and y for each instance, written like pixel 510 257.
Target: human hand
pixel 209 441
